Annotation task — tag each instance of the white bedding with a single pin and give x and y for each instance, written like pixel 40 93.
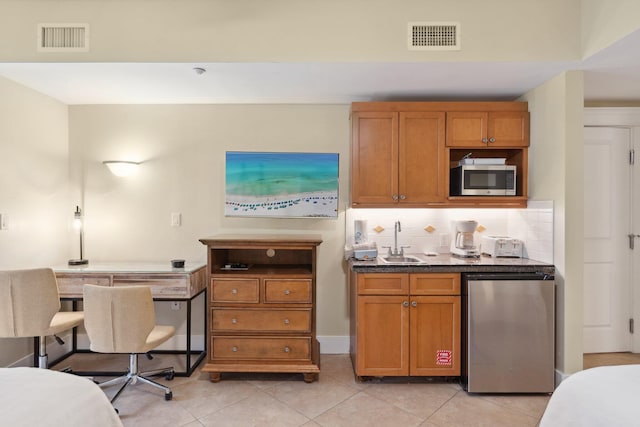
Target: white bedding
pixel 41 397
pixel 603 396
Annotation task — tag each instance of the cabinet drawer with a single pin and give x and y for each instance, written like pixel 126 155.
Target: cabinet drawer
pixel 70 286
pixel 435 284
pixel 161 286
pixel 235 290
pixel 261 320
pixel 383 284
pixel 287 290
pixel 298 348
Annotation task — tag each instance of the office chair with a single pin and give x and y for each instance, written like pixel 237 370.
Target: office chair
pixel 30 307
pixel 122 320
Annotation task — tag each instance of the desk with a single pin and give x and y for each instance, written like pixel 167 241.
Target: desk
pixel 166 283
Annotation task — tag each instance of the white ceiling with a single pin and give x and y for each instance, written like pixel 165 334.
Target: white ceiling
pixel 613 75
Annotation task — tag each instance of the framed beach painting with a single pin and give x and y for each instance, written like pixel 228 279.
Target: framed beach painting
pixel 282 185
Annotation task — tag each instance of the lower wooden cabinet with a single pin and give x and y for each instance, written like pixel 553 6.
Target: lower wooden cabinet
pixel 405 324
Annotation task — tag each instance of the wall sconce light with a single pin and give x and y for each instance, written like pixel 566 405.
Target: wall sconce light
pixel 77 225
pixel 121 167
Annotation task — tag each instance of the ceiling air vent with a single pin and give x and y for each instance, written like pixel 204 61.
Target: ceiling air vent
pixel 63 37
pixel 434 36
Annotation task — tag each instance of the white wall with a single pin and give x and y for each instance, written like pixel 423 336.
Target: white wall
pixel 556 173
pixel 182 148
pixel 293 30
pixel 33 188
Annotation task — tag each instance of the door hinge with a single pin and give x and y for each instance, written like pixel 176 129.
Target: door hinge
pixel 632 156
pixel 631 325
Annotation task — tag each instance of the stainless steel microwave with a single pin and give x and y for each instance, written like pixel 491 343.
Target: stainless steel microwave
pixel 483 180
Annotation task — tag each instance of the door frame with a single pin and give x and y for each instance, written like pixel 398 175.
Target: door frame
pixel 626 117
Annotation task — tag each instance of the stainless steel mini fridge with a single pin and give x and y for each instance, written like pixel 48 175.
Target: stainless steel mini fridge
pixel 508 341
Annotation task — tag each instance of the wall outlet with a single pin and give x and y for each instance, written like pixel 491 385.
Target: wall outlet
pixel 175 305
pixel 176 219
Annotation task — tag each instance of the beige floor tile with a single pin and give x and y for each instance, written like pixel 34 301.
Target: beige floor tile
pixel 314 398
pixel 472 410
pixel 139 408
pixel 257 410
pixel 529 404
pixel 365 410
pixel 421 400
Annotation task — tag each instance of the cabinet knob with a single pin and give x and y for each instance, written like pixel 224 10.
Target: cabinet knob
pixel 492 140
pixel 234 349
pixel 406 303
pixel 485 140
pixel 414 304
pixel 402 197
pixel 234 320
pixel 286 349
pixel 286 321
pixel 234 291
pixel 287 291
pixel 395 197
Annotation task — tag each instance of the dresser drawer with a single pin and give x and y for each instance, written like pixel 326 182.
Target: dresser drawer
pixel 235 290
pixel 295 348
pixel 285 320
pixel 70 285
pixel 287 290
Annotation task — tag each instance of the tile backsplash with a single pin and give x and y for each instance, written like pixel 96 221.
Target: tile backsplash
pixel 430 230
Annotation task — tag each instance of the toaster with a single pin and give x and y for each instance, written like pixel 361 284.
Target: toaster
pixel 501 246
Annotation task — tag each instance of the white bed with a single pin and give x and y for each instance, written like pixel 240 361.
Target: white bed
pixel 42 397
pixel 603 396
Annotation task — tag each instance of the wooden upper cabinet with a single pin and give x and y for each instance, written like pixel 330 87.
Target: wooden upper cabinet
pixel 374 155
pixel 398 158
pixel 488 129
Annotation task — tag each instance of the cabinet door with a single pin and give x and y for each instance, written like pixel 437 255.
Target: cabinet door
pixel 374 157
pixel 508 129
pixel 383 336
pixel 422 168
pixel 435 336
pixel 467 129
pixel 488 130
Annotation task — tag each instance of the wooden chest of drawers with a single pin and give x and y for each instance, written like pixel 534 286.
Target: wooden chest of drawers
pixel 262 318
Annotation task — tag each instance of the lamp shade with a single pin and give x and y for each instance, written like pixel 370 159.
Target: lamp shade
pixel 121 167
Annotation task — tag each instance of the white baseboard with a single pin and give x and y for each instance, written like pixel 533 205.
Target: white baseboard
pixel 560 376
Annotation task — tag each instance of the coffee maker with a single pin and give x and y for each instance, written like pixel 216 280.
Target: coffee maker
pixel 463 244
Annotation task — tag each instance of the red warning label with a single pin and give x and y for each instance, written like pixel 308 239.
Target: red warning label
pixel 443 357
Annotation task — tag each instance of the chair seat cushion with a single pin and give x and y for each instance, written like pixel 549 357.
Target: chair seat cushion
pixel 63 321
pixel 158 335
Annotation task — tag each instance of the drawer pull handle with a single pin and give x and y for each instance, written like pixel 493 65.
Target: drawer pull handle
pixel 287 291
pixel 234 320
pixel 234 291
pixel 286 321
pixel 286 349
pixel 234 349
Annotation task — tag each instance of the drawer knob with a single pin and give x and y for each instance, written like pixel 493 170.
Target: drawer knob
pixel 286 321
pixel 234 320
pixel 234 291
pixel 287 291
pixel 234 349
pixel 286 349
pixel 414 304
pixel 405 303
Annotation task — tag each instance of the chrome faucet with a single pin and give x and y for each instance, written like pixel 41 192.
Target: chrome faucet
pixel 395 252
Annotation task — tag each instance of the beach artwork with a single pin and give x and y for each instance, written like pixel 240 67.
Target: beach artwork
pixel 284 185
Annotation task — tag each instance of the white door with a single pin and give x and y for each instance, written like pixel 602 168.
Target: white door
pixel 607 255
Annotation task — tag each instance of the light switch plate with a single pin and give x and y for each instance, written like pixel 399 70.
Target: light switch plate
pixel 3 222
pixel 176 219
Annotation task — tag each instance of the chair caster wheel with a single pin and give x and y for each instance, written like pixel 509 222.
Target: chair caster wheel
pixel 168 396
pixel 117 412
pixel 169 376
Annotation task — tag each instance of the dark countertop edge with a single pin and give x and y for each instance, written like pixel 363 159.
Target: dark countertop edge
pixel 548 269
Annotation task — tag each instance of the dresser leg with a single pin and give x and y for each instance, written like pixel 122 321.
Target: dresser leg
pixel 215 377
pixel 309 378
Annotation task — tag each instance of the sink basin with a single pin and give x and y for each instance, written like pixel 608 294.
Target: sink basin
pixel 402 260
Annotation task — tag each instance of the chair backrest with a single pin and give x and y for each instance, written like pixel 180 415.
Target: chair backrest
pixel 28 301
pixel 118 319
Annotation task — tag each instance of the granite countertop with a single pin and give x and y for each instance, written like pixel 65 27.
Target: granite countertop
pixel 449 263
